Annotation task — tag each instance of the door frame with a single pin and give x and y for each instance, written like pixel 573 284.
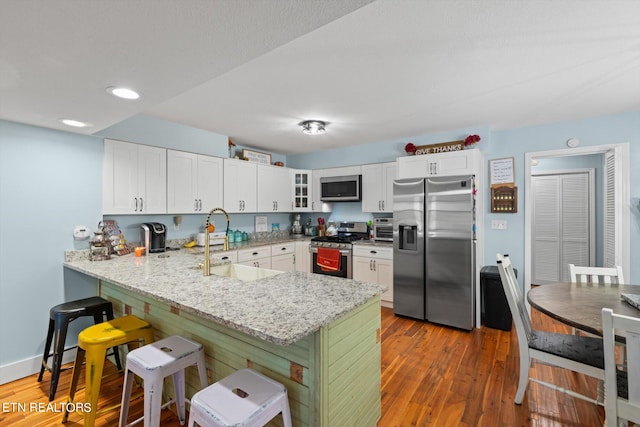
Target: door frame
pixel 622 206
pixel 590 172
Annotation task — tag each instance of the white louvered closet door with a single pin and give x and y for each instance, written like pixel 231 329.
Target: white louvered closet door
pixel 610 211
pixel 561 225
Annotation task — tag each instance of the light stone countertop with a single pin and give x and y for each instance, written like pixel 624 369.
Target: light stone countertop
pixel 281 309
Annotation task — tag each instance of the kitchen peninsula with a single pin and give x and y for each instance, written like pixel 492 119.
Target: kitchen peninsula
pixel 316 334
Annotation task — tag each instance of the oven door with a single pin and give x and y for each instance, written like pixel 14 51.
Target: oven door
pixel 345 264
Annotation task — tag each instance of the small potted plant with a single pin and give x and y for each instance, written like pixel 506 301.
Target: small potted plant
pixel 410 149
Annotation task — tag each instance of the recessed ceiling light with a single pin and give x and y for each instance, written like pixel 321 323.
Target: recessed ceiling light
pixel 313 127
pixel 74 123
pixel 123 92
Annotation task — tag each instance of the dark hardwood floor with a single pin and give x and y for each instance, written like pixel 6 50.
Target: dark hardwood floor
pixel 431 376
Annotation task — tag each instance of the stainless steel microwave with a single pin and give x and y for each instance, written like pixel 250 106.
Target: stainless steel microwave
pixel 341 188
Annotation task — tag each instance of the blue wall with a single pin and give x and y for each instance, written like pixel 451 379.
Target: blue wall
pixel 50 181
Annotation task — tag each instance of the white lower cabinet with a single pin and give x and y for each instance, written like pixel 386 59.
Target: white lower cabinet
pixel 255 257
pixel 374 264
pixel 303 257
pixel 231 256
pixel 283 257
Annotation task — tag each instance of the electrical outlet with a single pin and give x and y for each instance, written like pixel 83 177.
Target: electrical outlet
pixel 499 224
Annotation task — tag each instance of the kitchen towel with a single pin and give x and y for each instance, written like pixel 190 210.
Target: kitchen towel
pixel 328 259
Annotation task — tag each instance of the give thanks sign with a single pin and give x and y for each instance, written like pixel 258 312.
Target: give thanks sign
pixel 443 147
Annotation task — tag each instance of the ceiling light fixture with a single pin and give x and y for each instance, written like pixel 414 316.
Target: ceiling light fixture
pixel 74 123
pixel 313 127
pixel 123 92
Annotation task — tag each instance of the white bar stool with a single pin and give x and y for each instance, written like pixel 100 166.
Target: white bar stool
pixel 154 362
pixel 244 398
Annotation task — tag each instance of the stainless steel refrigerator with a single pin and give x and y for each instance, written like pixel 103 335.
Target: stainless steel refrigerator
pixel 434 250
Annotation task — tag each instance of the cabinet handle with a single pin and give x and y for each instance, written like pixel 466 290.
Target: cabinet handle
pixel 200 205
pixel 373 252
pixel 383 205
pixel 294 258
pixel 224 258
pixel 374 265
pixel 141 204
pixel 370 265
pixel 255 253
pixel 195 205
pixel 136 209
pixel 276 205
pixel 243 205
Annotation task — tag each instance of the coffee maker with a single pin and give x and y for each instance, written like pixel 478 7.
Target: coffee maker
pixel 154 237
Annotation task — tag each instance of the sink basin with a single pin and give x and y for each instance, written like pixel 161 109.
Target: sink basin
pixel 243 272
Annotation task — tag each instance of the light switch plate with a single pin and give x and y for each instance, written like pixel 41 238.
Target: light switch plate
pixel 499 224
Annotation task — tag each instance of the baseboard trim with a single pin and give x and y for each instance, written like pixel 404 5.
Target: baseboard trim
pixel 23 368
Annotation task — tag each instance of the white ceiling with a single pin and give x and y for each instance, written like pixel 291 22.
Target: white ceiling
pixel 381 70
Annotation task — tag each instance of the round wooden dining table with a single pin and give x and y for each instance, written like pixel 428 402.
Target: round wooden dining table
pixel 580 304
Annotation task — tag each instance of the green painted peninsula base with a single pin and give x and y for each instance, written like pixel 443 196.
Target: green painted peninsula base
pixel 332 376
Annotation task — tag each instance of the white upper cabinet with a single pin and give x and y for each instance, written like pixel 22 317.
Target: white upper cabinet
pixel 240 186
pixel 316 204
pixel 377 187
pixel 274 189
pixel 441 164
pixel 134 179
pixel 194 182
pixel 301 190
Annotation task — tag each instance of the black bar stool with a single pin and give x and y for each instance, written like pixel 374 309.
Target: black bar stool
pixel 59 318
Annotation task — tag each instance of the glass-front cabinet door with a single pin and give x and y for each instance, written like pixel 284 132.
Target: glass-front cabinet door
pixel 301 187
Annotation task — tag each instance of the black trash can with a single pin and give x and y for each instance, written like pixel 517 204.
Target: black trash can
pixel 494 306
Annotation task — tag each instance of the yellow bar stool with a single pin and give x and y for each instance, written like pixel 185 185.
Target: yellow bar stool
pixel 94 342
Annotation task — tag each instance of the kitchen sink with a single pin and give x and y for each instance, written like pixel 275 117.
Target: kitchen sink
pixel 243 272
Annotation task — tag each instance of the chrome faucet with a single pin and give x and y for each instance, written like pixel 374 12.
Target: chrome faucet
pixel 206 267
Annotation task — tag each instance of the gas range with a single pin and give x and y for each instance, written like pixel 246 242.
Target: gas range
pixel 348 232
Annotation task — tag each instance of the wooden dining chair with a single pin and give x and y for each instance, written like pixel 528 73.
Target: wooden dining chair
pixel 596 275
pixel 576 353
pixel 622 387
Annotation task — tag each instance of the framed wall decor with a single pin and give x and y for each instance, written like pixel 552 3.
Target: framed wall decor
pixel 256 156
pixel 261 223
pixel 501 171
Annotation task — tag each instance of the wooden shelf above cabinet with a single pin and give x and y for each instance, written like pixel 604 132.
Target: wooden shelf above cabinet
pixel 504 199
